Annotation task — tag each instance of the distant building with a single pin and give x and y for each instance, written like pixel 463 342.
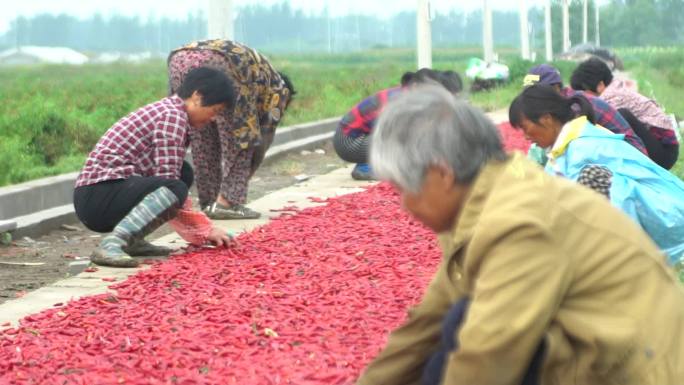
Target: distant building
pixel 41 55
pixel 112 57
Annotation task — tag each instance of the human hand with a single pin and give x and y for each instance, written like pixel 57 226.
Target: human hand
pixel 220 238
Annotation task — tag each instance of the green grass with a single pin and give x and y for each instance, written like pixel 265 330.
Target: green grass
pixel 51 116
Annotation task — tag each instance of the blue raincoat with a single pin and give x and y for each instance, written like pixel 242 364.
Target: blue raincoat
pixel 648 193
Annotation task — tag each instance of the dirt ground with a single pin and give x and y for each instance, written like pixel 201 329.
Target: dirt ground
pixel 52 253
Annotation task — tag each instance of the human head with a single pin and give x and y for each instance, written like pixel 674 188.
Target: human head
pixel 591 75
pixel 543 74
pixel 206 92
pixel 432 146
pixel 451 81
pixel 540 111
pixel 447 79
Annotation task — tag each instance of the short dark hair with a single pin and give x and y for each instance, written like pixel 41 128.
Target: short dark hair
pixel 447 79
pixel 452 81
pixel 589 74
pixel 289 86
pixel 515 113
pixel 406 78
pixel 423 75
pixel 540 99
pixel 214 86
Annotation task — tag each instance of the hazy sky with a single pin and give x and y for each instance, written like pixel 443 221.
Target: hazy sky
pixel 180 8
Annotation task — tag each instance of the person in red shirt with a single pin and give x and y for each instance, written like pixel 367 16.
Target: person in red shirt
pixel 135 179
pixel 352 136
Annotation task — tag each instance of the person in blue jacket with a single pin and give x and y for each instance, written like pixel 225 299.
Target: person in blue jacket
pixel 602 160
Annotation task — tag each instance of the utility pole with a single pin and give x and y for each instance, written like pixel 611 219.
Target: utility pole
pixel 487 35
pixel 585 21
pixel 358 33
pixel 547 30
pixel 524 31
pixel 597 35
pixel 221 19
pixel 327 16
pixel 424 34
pixel 566 26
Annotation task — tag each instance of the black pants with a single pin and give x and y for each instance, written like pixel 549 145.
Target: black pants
pixel 354 150
pixel 103 205
pixel 434 367
pixel 663 155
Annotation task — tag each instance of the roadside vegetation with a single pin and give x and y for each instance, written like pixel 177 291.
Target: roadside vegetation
pixel 52 115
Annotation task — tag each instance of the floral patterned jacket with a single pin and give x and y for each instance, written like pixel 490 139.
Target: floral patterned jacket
pixel 261 91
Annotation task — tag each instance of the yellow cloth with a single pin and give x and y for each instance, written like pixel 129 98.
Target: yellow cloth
pixel 544 258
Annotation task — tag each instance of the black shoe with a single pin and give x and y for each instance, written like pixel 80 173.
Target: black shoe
pixel 236 211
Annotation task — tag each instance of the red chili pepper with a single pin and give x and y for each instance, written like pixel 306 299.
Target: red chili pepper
pixel 328 283
pixel 513 139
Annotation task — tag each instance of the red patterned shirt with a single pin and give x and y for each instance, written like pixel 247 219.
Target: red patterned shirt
pixel 361 119
pixel 148 142
pixel 620 94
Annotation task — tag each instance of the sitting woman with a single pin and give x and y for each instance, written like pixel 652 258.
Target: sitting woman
pixel 646 117
pixel 353 133
pixel 135 179
pixel 541 281
pixel 604 161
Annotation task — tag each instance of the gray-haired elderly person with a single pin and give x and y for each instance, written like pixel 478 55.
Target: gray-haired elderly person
pixel 542 280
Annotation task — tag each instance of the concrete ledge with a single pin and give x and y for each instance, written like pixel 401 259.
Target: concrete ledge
pixel 6 226
pixel 40 194
pixel 298 144
pixel 301 131
pixel 42 222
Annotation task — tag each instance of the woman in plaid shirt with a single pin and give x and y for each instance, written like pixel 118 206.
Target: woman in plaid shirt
pixel 135 179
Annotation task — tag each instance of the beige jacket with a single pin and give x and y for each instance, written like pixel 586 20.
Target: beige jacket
pixel 543 258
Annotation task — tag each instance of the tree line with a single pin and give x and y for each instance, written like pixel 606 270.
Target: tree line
pixel 281 28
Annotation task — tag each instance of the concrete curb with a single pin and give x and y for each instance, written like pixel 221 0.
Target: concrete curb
pixel 34 208
pixel 6 226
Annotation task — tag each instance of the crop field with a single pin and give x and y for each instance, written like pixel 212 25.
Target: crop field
pixel 51 116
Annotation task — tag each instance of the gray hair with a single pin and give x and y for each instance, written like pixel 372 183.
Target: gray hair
pixel 428 126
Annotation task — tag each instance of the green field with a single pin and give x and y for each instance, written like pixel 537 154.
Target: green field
pixel 51 116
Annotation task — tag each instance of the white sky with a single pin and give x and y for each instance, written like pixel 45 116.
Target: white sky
pixel 179 9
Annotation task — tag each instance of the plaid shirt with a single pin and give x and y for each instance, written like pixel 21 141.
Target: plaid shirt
pixel 148 142
pixel 665 136
pixel 619 94
pixel 608 117
pixel 361 119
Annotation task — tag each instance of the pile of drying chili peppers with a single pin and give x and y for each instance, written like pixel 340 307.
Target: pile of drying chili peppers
pixel 513 139
pixel 308 299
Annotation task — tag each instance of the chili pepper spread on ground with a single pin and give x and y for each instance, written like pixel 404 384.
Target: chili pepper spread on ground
pixel 309 298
